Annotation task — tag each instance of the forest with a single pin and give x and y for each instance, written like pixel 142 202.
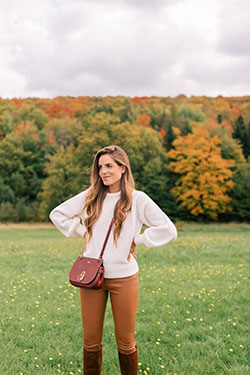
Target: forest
pixel 189 154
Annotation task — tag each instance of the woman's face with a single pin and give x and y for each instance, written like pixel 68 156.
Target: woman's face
pixel 110 172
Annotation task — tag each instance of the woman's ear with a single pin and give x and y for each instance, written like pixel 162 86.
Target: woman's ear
pixel 123 169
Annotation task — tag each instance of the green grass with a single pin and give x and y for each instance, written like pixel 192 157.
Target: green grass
pixel 193 317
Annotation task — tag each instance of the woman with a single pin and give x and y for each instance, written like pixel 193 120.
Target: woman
pixel 89 214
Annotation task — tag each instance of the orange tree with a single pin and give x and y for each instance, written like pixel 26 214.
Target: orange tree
pixel 205 178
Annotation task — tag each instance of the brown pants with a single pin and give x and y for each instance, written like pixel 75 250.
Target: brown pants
pixel 123 297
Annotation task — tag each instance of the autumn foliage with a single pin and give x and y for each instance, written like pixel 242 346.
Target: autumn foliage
pixel 191 155
pixel 205 178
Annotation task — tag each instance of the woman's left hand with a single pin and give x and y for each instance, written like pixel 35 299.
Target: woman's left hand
pixel 133 249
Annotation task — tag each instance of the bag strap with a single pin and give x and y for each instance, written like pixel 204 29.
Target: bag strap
pixel 106 239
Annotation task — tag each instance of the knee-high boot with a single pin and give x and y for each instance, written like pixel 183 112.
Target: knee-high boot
pixel 129 363
pixel 92 362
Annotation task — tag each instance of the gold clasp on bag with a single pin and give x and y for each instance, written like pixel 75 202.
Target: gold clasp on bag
pixel 81 276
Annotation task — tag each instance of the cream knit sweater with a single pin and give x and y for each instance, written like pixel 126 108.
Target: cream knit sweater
pixel 68 218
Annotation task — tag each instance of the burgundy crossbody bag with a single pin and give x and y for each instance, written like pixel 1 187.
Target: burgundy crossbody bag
pixel 89 272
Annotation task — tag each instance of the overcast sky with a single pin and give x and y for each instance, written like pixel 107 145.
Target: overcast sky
pixel 124 47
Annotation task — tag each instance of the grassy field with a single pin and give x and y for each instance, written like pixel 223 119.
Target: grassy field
pixel 193 315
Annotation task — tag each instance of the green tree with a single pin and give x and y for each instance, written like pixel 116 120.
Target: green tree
pixel 242 132
pixel 34 115
pixel 69 169
pixel 230 147
pixel 7 124
pixel 219 118
pixel 241 193
pixel 187 112
pixel 9 118
pixel 63 131
pixel 23 154
pixel 169 137
pixel 64 179
pixel 125 110
pixel 8 212
pixel 12 155
pixel 186 129
pixel 6 193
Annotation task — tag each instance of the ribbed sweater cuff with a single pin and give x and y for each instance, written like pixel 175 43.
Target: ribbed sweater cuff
pixel 139 239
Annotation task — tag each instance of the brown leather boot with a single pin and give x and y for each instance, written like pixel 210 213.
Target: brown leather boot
pixel 129 363
pixel 92 362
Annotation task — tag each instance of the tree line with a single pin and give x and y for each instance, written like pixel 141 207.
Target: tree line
pixel 191 155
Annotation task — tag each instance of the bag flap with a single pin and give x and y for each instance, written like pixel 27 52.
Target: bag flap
pixel 84 269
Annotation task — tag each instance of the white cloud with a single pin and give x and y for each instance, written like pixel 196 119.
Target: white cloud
pixel 234 29
pixel 110 47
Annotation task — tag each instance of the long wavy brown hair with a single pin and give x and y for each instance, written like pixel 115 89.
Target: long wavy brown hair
pixel 98 191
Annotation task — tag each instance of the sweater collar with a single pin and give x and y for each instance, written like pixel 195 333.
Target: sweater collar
pixel 114 194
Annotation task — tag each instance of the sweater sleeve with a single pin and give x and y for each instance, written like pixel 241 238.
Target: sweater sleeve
pixel 67 216
pixel 160 229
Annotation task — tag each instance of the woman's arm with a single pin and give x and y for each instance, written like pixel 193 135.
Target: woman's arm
pixel 161 229
pixel 67 216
